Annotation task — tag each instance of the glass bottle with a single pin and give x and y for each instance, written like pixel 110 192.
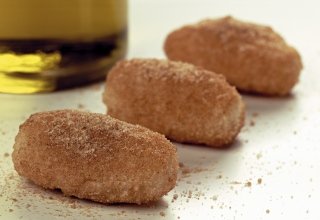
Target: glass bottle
pixel 46 45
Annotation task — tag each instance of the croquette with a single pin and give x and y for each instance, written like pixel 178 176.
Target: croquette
pixel 252 57
pixel 187 104
pixel 96 157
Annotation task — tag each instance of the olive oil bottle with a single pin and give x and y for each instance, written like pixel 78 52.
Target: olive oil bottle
pixel 46 45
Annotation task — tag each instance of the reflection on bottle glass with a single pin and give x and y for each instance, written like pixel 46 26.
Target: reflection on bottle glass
pixel 50 45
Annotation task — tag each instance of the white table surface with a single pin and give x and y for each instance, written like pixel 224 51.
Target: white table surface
pixel 282 148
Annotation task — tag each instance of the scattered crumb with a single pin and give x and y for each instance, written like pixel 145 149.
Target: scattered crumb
pixel 6 154
pixel 248 184
pixel 162 214
pixel 214 198
pixel 259 155
pixel 186 170
pixel 73 205
pixel 235 182
pixel 259 181
pixel 175 196
pixel 190 194
pixel 252 123
pixel 80 106
pixel 219 176
pixel 267 211
pixel 10 210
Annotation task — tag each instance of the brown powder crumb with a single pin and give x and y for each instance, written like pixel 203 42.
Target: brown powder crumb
pixel 80 106
pixel 214 198
pixel 267 211
pixel 190 194
pixel 198 170
pixel 248 184
pixel 186 170
pixel 259 155
pixel 14 199
pixel 28 206
pixel 219 176
pixel 259 181
pixel 175 197
pixel 6 154
pixel 73 205
pixel 235 182
pixel 181 165
pixel 252 123
pixel 10 210
pixel 162 214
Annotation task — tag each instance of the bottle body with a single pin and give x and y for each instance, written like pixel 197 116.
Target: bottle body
pixel 50 45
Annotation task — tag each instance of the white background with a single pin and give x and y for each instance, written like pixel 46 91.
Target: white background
pixel 282 148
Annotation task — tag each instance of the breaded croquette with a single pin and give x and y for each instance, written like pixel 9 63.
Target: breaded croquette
pixel 183 102
pixel 96 157
pixel 252 57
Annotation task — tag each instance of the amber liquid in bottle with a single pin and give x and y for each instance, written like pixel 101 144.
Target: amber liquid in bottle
pixel 49 45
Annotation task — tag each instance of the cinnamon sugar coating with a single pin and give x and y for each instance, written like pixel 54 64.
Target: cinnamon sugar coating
pixel 252 57
pixel 96 157
pixel 183 102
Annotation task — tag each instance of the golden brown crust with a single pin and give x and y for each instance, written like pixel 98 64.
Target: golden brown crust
pixel 179 100
pixel 94 156
pixel 252 57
